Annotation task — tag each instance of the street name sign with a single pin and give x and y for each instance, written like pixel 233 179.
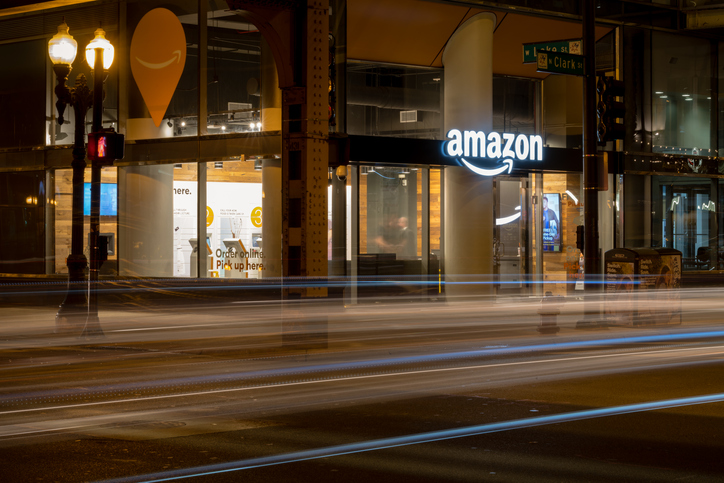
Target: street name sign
pixel 558 63
pixel 565 46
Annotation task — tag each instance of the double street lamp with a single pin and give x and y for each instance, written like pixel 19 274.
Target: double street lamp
pixel 62 49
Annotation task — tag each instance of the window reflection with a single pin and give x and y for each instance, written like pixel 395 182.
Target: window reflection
pixel 681 95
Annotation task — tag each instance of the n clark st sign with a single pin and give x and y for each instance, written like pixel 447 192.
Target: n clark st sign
pixel 559 63
pixel 503 149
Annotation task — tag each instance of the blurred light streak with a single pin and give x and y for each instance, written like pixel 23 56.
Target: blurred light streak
pixel 420 438
pixel 117 389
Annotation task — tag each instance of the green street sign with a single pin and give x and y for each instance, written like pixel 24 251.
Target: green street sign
pixel 557 63
pixel 565 46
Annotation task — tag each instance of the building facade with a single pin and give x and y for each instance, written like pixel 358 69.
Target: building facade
pixel 204 188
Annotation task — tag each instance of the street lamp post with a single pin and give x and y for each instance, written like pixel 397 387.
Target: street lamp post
pixel 99 55
pixel 62 50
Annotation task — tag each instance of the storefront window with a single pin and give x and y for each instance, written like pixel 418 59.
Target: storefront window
pixel 681 95
pixel 389 222
pixel 557 213
pixel 185 204
pixel 63 202
pixel 22 203
pixel 234 219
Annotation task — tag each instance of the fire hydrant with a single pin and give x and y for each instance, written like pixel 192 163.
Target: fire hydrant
pixel 550 307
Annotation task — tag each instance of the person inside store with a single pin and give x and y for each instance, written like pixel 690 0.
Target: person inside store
pixel 407 240
pixel 389 235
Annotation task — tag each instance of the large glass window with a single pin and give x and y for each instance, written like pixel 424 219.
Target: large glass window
pixel 22 202
pixel 234 219
pixel 557 211
pixel 234 75
pixel 181 115
pixel 22 93
pixel 514 102
pixel 399 101
pixel 390 226
pixel 681 95
pixel 63 202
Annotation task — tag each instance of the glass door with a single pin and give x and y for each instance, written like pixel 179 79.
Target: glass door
pixel 511 243
pixel 686 223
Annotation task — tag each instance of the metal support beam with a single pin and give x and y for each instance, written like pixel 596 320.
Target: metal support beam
pixel 590 169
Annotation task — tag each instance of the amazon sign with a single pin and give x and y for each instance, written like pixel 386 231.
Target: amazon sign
pixel 494 153
pixel 158 56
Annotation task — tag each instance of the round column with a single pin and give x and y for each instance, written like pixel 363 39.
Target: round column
pixel 271 208
pixel 271 95
pixel 145 221
pixel 468 203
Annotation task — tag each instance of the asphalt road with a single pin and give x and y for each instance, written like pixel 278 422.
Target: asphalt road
pixel 507 406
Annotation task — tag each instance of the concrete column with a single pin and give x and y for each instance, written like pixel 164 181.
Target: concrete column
pixel 145 215
pixel 271 95
pixel 468 202
pixel 271 208
pixel 271 171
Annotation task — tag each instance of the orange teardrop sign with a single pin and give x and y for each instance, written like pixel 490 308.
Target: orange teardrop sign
pixel 158 56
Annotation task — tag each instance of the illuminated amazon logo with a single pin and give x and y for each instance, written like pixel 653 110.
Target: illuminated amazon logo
pixel 502 149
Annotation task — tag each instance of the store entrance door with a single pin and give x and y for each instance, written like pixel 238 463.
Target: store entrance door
pixel 511 244
pixel 686 224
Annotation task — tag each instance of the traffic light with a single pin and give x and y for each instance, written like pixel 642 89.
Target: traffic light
pixel 610 109
pixel 105 146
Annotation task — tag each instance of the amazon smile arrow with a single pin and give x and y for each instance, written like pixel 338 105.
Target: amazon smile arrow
pixel 507 165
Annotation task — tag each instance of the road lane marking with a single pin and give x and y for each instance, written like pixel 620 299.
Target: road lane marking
pixel 345 379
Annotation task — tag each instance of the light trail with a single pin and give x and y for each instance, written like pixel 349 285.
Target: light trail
pixel 429 437
pixel 341 379
pixel 360 365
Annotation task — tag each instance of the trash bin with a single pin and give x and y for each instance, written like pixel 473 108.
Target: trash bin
pixel 638 283
pixel 668 284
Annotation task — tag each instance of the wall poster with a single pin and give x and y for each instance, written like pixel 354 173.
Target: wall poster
pixel 551 206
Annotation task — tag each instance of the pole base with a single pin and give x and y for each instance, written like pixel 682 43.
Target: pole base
pixel 92 327
pixel 73 311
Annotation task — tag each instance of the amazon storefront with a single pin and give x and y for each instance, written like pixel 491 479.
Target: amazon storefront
pixel 458 171
pixel 399 185
pixel 198 192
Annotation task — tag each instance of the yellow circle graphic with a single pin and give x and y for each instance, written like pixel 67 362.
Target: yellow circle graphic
pixel 256 217
pixel 209 216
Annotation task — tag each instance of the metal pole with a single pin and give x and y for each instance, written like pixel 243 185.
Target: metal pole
pixel 590 171
pixel 93 326
pixel 73 309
